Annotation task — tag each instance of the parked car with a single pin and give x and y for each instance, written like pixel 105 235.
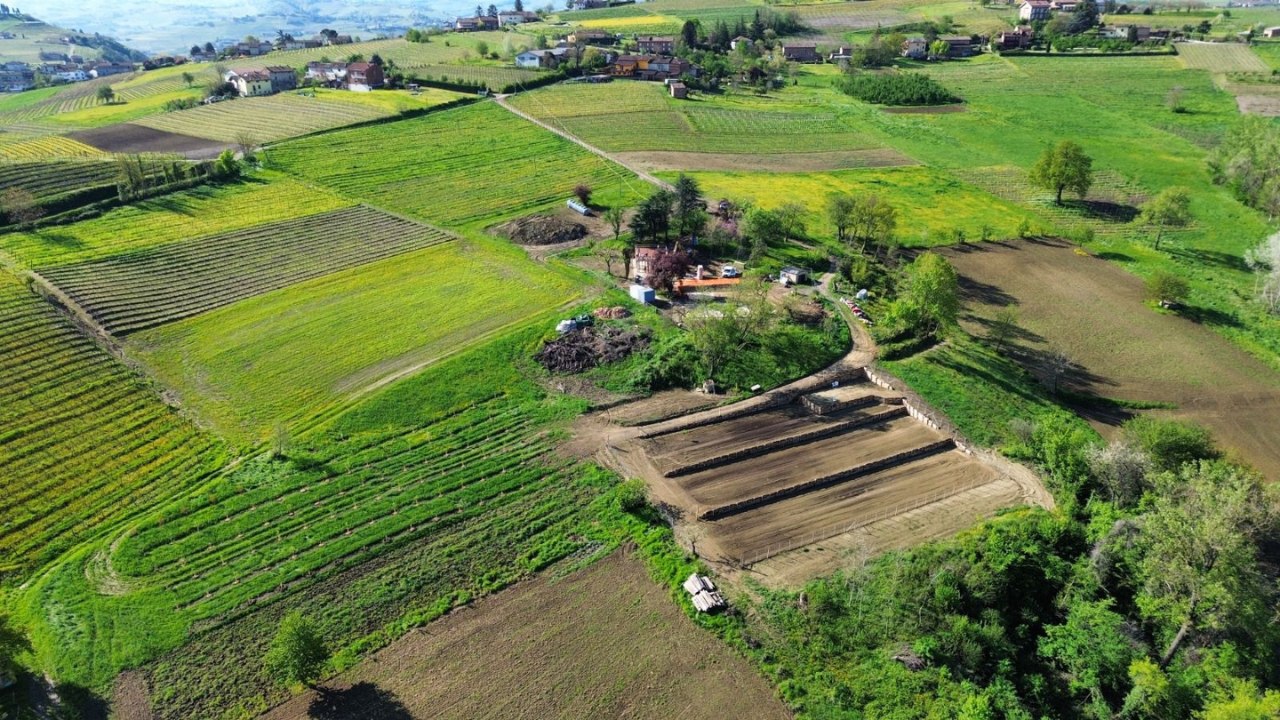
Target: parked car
pixel 729 271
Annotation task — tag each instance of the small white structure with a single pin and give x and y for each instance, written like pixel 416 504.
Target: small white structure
pixel 579 208
pixel 642 294
pixel 792 275
pixel 704 594
pixel 566 326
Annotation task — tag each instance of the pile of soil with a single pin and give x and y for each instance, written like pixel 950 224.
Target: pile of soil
pixel 611 313
pixel 589 347
pixel 544 230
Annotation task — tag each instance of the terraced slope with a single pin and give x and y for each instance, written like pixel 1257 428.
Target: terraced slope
pixel 81 438
pixel 143 289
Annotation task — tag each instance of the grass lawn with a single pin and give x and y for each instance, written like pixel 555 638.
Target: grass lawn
pixel 288 354
pixel 930 202
pixel 191 213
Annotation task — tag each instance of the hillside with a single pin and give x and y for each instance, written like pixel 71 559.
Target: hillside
pixel 31 37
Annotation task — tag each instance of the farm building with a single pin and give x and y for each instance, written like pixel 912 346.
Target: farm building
pixel 801 52
pixel 651 67
pixel 650 45
pixel 548 59
pixel 1033 10
pixel 915 47
pixel 104 69
pixel 250 83
pixel 516 17
pixel 740 42
pixel 678 90
pixel 840 55
pixel 792 275
pixel 957 45
pixel 1271 32
pixel 1018 38
pixel 1066 6
pixel 282 78
pixel 592 37
pixel 641 260
pixel 331 74
pixel 472 24
pixel 363 76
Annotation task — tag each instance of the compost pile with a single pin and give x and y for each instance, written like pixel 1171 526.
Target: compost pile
pixel 611 313
pixel 544 230
pixel 585 348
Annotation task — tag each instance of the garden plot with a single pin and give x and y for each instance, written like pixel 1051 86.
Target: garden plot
pixel 766 483
pixel 1220 57
pixel 603 642
pixel 139 290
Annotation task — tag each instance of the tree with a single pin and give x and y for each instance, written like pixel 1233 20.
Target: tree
pixel 188 78
pixel 492 10
pixel 1169 444
pixel 297 653
pixel 840 209
pixel 930 294
pixel 20 206
pixel 1242 701
pixel 519 6
pixel 689 34
pixel 582 191
pixel 939 49
pixel 1056 365
pixel 1170 207
pixel 1173 99
pixel 1167 289
pixel 1063 167
pixel 872 221
pixel 764 228
pixel 227 166
pixel 721 332
pixel 791 216
pixel 106 94
pixel 607 252
pixel 1199 569
pixel 666 269
pixel 1264 261
pixel 653 218
pixel 12 642
pixel 613 216
pixel 247 142
pixel 482 48
pixel 690 207
pixel 376 59
pixel 209 49
pixel 1121 468
pixel 1003 327
pixel 195 49
pixel 1092 650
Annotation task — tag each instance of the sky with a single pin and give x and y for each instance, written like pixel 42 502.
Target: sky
pixel 168 26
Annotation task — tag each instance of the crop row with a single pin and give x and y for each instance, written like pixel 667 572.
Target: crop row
pixel 495 78
pixel 82 437
pixel 452 167
pixel 265 119
pixel 54 177
pixel 193 213
pixel 143 289
pixel 49 146
pixel 216 556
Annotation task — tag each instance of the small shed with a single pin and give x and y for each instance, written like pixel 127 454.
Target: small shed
pixel 679 90
pixel 792 275
pixel 642 294
pixel 579 208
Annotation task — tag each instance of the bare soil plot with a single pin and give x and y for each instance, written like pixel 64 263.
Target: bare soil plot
pixel 1094 311
pixel 658 161
pixel 130 138
pixel 662 406
pixel 1264 105
pixel 604 642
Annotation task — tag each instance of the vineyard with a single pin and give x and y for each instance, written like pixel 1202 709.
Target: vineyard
pixel 441 50
pixel 495 78
pixel 83 439
pixel 1220 57
pixel 266 119
pixel 45 148
pixel 51 178
pixel 134 291
pixel 198 212
pixel 460 166
pixel 628 116
pixel 323 340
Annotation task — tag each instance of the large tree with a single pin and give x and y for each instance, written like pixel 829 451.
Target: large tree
pixel 930 294
pixel 1064 166
pixel 840 213
pixel 872 220
pixel 297 654
pixel 1199 570
pixel 652 220
pixel 1170 207
pixel 690 207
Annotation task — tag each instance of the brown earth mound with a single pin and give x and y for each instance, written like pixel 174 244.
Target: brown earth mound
pixel 583 349
pixel 544 230
pixel 128 138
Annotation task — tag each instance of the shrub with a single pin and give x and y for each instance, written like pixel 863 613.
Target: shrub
pixel 896 89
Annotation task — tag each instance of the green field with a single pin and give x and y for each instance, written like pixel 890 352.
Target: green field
pixel 53 147
pixel 632 116
pixel 288 354
pixel 1220 57
pixel 138 290
pixel 84 439
pixel 52 178
pixel 33 37
pixel 456 167
pixel 192 213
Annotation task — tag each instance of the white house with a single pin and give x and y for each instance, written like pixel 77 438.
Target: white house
pixel 250 83
pixel 915 47
pixel 1032 10
pixel 536 59
pixel 516 17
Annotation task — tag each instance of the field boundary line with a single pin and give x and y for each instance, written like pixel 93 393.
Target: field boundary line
pixel 647 177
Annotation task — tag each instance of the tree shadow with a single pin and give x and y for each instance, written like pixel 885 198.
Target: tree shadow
pixel 1209 316
pixel 972 290
pixel 361 701
pixel 1017 333
pixel 1103 210
pixel 1210 257
pixel 88 704
pixel 59 238
pixel 1113 256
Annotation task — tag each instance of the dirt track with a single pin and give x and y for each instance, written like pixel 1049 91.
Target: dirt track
pixel 1094 310
pixel 604 642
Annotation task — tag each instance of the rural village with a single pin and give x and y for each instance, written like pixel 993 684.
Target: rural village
pixel 840 359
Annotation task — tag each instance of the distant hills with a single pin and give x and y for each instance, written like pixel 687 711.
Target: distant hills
pixel 24 38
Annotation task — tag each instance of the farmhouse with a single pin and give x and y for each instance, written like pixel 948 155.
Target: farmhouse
pixel 592 37
pixel 1033 10
pixel 250 83
pixel 916 47
pixel 655 45
pixel 740 43
pixel 516 17
pixel 252 49
pixel 542 59
pixel 640 262
pixel 1133 33
pixel 1065 6
pixel 801 52
pixel 364 76
pixel 651 67
pixel 472 24
pixel 67 73
pixel 103 69
pixel 1018 38
pixel 282 78
pixel 330 74
pixel 16 76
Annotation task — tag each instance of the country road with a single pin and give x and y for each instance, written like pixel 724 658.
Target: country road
pixel 502 100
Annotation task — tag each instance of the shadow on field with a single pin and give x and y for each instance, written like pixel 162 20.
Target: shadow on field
pixel 1113 256
pixel 61 239
pixel 1211 257
pixel 362 700
pixel 1103 210
pixel 972 290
